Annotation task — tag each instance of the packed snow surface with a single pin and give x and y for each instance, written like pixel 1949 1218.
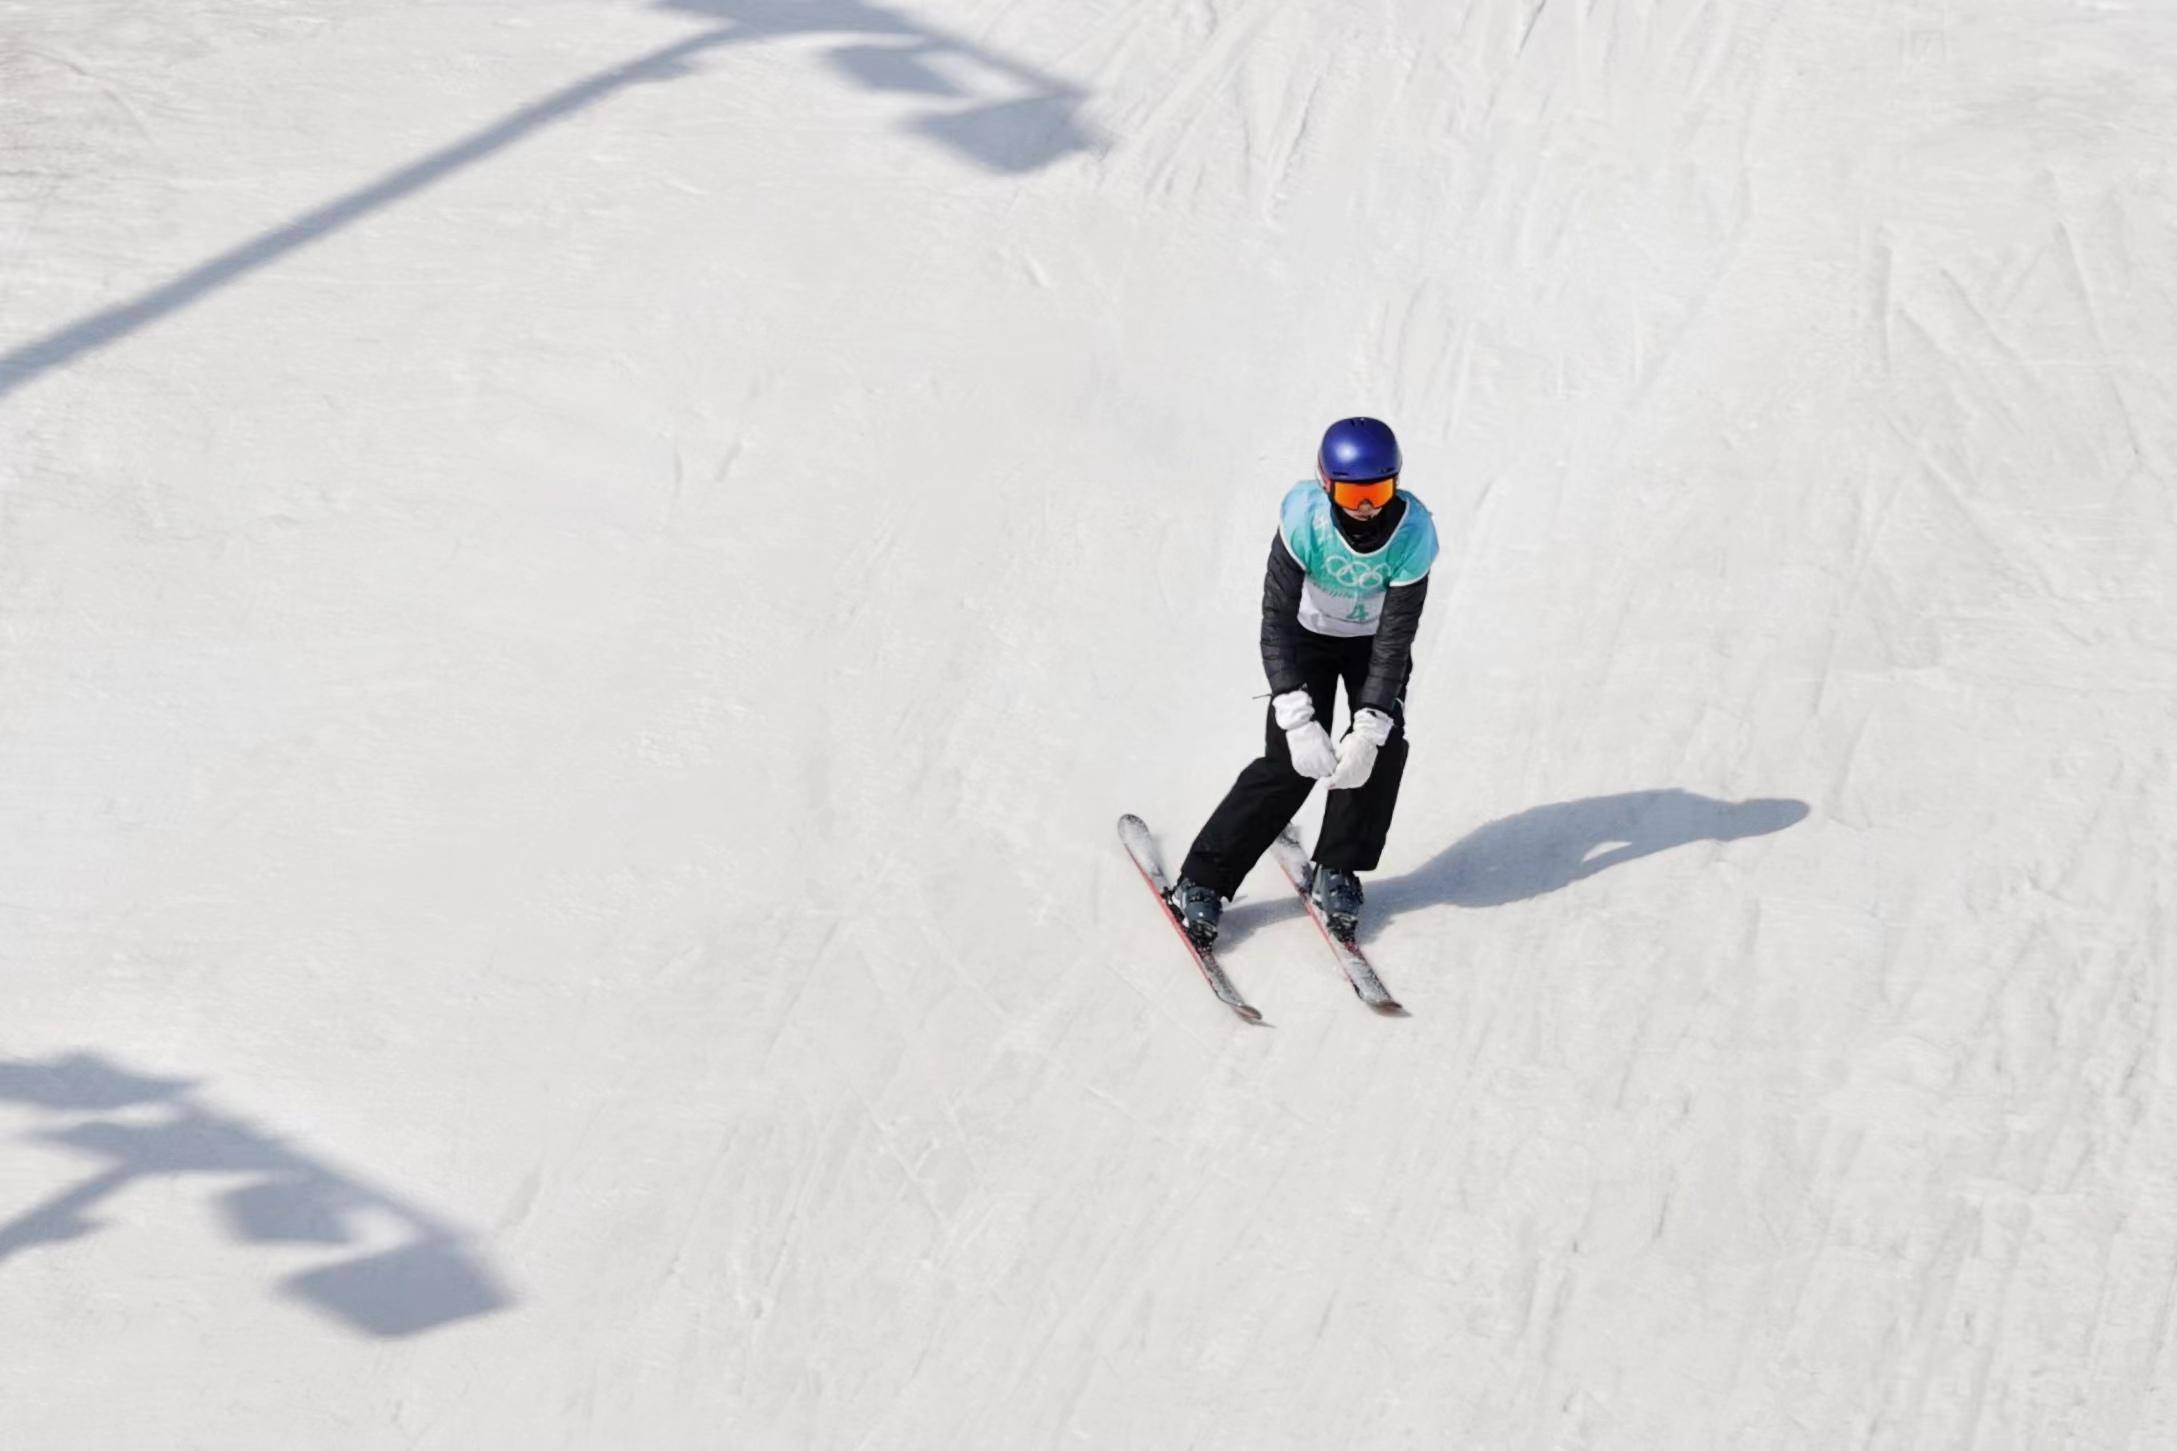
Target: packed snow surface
pixel 582 583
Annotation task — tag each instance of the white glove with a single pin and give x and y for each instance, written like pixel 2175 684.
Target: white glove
pixel 1357 752
pixel 1305 739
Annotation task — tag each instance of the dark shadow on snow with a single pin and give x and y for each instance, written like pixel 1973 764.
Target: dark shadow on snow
pixel 1544 849
pixel 422 1276
pixel 1025 120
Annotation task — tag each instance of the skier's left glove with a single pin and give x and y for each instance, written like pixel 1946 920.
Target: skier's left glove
pixel 1357 752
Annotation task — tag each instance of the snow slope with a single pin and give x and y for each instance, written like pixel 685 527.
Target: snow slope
pixel 582 581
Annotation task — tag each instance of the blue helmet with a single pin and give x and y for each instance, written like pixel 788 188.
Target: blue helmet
pixel 1358 449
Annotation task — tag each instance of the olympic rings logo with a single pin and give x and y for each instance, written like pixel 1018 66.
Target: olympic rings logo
pixel 1354 574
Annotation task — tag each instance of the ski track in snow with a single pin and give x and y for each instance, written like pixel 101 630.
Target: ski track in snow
pixel 580 585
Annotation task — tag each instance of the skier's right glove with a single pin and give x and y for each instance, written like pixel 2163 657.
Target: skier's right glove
pixel 1305 739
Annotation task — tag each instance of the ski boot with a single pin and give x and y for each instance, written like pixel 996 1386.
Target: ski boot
pixel 1337 895
pixel 1199 910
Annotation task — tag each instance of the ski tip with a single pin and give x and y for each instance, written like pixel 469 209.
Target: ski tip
pixel 1252 1015
pixel 1385 1005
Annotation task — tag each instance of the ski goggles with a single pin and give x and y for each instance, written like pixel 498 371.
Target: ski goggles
pixel 1350 494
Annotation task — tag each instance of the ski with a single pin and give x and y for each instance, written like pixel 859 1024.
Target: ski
pixel 1292 858
pixel 1142 848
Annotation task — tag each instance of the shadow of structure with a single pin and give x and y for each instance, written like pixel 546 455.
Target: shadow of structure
pixel 1031 125
pixel 1545 848
pixel 423 1279
pixel 1021 118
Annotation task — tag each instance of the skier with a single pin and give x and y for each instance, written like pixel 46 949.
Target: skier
pixel 1341 600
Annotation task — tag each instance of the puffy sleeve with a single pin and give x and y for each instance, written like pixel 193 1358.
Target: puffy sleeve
pixel 1391 660
pixel 1281 581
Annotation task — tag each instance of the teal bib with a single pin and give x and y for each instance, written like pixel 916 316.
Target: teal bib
pixel 1344 589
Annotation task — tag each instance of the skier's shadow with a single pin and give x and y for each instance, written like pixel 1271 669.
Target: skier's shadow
pixel 1545 848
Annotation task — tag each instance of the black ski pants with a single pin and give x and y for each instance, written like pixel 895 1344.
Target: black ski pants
pixel 1269 791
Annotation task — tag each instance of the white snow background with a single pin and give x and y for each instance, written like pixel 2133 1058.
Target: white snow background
pixel 582 582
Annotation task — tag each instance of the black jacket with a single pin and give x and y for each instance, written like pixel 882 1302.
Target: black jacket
pixel 1389 659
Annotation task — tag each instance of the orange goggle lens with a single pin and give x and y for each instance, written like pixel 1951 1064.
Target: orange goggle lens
pixel 1351 495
